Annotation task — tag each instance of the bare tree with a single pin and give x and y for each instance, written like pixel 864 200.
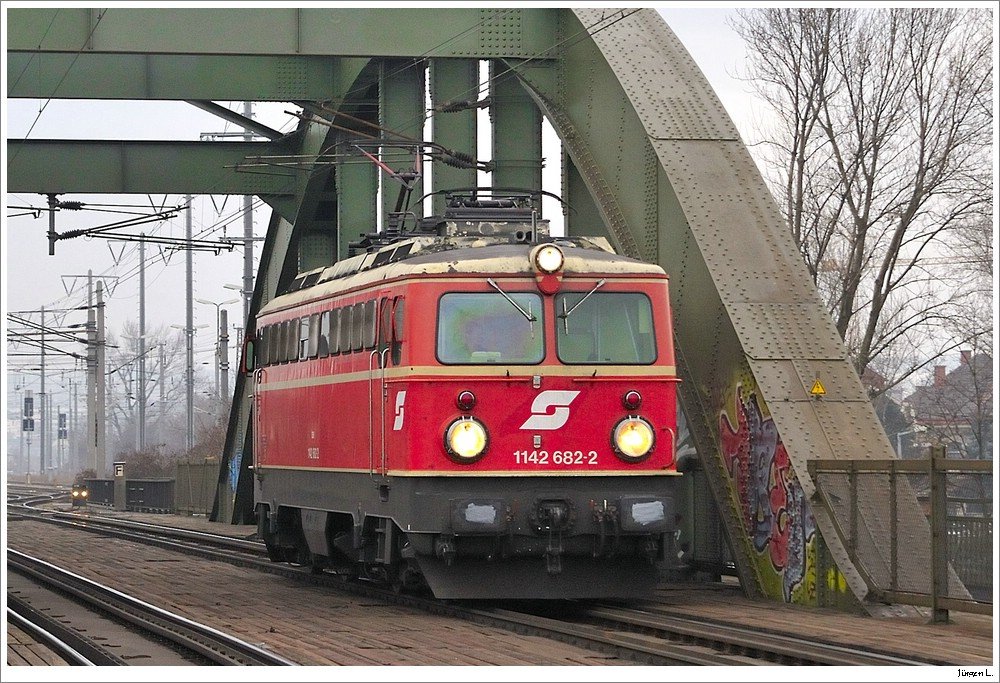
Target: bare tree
pixel 882 151
pixel 163 391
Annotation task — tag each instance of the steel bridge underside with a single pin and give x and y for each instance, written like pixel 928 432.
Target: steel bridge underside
pixel 650 159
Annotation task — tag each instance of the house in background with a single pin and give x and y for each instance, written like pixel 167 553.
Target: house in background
pixel 956 409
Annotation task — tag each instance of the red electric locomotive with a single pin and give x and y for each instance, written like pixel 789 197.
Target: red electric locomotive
pixel 472 406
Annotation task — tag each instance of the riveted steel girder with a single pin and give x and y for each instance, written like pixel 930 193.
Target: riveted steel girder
pixel 401 116
pixel 517 132
pixel 146 166
pixel 448 32
pixel 453 81
pixel 260 78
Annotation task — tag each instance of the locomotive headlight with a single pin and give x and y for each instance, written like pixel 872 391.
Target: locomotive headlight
pixel 83 493
pixel 466 439
pixel 76 494
pixel 633 439
pixel 549 258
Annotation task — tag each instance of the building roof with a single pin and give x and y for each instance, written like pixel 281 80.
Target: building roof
pixel 958 397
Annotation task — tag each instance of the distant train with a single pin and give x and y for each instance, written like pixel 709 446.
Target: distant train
pixel 79 494
pixel 471 406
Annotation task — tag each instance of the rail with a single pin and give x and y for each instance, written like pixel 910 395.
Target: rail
pixel 214 645
pixel 955 498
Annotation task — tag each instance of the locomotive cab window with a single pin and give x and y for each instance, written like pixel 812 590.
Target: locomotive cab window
pixel 479 329
pixel 612 328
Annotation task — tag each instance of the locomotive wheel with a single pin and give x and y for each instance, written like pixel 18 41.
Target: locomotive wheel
pixel 300 554
pixel 396 583
pixel 275 552
pixel 405 579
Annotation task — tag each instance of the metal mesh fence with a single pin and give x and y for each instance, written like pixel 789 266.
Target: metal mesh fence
pixel 709 546
pixel 195 487
pixel 920 531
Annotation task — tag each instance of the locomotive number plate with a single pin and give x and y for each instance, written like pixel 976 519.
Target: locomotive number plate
pixel 559 458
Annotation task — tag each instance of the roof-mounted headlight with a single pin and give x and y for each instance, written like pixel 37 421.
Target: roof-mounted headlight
pixel 549 258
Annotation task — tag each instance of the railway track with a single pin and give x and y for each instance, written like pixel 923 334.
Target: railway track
pixel 646 634
pixel 68 645
pixel 777 648
pixel 203 641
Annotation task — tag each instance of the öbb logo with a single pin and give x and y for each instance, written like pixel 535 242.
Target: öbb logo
pixel 541 418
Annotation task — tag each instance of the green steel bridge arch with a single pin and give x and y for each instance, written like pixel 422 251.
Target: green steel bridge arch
pixel 650 159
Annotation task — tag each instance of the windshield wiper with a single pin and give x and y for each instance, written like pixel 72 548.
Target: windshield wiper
pixel 527 314
pixel 566 314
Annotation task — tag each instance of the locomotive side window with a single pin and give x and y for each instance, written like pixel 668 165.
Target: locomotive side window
pixel 261 347
pixel 293 340
pixel 345 329
pixel 490 328
pixel 384 323
pixel 357 326
pixel 308 336
pixel 368 334
pixel 272 343
pixel 289 351
pixel 390 331
pixel 335 331
pixel 283 341
pixel 397 319
pixel 613 328
pixel 280 355
pixel 323 338
pixel 397 330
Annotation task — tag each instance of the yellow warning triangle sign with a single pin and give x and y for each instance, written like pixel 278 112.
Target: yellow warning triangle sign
pixel 817 388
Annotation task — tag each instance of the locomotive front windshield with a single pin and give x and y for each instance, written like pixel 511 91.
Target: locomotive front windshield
pixel 613 328
pixel 476 328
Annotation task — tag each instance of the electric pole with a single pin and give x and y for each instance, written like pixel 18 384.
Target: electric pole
pixel 43 412
pixel 141 427
pixel 189 331
pixel 92 457
pixel 224 351
pixel 74 453
pixel 28 426
pixel 161 413
pixel 100 436
pixel 247 230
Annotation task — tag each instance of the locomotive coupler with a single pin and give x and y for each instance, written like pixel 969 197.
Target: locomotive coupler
pixel 444 548
pixel 553 553
pixel 651 549
pixel 606 516
pixel 553 513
